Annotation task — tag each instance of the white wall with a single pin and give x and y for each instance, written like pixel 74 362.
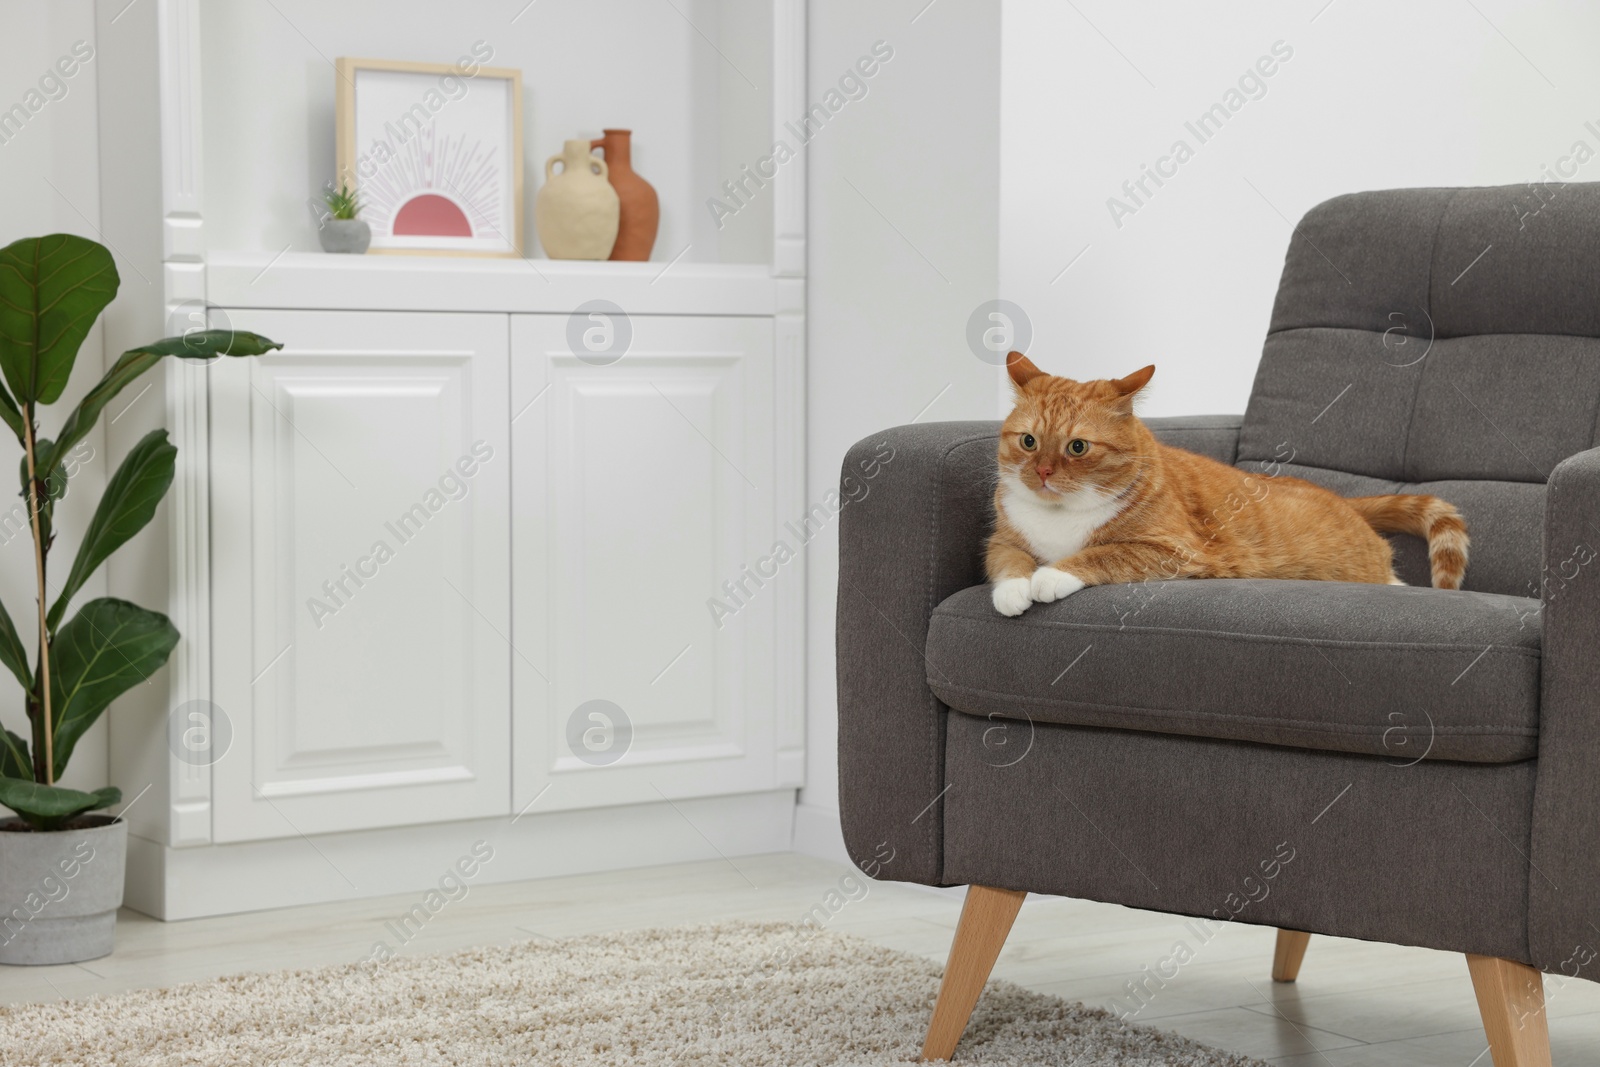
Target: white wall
pixel 132 223
pixel 1376 95
pixel 903 245
pixel 49 169
pixel 50 183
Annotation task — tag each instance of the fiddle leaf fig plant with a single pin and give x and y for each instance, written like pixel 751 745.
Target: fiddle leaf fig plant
pixel 51 291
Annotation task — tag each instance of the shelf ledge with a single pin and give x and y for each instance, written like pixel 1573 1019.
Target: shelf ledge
pixel 312 280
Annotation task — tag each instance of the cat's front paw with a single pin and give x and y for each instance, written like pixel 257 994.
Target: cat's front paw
pixel 1012 595
pixel 1051 584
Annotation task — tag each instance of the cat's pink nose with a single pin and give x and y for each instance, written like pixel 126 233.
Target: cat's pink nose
pixel 1045 472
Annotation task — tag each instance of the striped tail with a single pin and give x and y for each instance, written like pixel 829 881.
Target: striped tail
pixel 1428 517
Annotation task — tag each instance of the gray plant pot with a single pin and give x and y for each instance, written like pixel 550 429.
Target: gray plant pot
pixel 345 235
pixel 60 891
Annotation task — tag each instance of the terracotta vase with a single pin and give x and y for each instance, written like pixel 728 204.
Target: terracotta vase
pixel 641 209
pixel 577 211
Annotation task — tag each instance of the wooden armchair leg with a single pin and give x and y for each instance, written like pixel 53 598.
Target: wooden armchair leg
pixel 986 919
pixel 1511 1001
pixel 1287 956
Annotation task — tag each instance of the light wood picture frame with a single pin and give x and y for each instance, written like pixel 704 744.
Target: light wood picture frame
pixel 434 151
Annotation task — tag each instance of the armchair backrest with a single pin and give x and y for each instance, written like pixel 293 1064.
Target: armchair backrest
pixel 1441 341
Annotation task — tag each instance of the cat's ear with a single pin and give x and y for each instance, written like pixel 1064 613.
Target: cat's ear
pixel 1133 382
pixel 1021 369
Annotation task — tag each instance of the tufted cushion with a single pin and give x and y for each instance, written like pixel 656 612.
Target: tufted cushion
pixel 1438 340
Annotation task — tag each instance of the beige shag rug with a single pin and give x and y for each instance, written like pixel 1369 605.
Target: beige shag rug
pixel 743 994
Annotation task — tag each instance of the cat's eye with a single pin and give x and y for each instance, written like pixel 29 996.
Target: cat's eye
pixel 1029 442
pixel 1077 446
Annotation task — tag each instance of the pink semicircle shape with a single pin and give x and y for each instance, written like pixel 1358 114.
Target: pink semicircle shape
pixel 431 215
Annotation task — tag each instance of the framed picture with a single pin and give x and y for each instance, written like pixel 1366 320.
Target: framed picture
pixel 435 153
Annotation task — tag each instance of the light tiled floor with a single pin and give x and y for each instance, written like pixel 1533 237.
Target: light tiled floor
pixel 1356 1004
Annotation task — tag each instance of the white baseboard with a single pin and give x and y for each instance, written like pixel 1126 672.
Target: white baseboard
pixel 188 883
pixel 817 833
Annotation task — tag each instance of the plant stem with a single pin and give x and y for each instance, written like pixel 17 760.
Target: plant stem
pixel 38 566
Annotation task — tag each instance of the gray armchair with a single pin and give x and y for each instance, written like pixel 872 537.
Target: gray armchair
pixel 1408 765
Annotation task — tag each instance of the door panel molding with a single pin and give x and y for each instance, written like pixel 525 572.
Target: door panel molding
pixel 361 543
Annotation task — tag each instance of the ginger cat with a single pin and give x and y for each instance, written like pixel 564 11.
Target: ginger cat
pixel 1088 496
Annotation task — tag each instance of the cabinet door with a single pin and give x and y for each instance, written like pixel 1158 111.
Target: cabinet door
pixel 639 487
pixel 360 570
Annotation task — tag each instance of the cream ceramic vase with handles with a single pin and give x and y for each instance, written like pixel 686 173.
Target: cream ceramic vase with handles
pixel 577 211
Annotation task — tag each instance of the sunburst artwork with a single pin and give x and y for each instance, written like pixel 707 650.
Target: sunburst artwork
pixel 435 153
pixel 437 186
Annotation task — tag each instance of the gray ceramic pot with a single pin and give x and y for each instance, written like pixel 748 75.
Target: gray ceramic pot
pixel 345 235
pixel 60 891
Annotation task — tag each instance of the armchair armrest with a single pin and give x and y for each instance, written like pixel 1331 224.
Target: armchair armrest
pixel 1216 436
pixel 1564 883
pixel 911 535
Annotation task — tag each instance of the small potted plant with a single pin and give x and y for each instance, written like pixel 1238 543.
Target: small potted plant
pixel 339 230
pixel 61 865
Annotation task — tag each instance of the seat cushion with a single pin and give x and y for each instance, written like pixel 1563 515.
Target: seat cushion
pixel 1398 672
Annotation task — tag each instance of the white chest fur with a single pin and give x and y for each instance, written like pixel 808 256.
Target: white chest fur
pixel 1055 529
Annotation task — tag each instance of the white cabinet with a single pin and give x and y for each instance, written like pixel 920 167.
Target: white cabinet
pixel 360 552
pixel 379 706
pixel 640 485
pixel 461 562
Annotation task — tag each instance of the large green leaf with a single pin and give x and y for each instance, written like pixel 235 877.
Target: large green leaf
pixel 200 344
pixel 12 651
pixel 48 806
pixel 51 291
pixel 126 507
pixel 14 759
pixel 104 650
